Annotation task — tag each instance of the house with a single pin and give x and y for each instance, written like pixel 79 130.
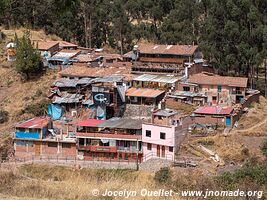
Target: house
pixel 37 137
pixel 161 138
pixel 168 53
pixel 116 139
pixel 187 97
pixel 144 96
pixel 62 58
pixel 162 59
pixel 95 59
pixel 222 116
pixel 67 45
pixel 47 48
pixel 222 90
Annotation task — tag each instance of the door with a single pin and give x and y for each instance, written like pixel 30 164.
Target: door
pixel 228 121
pixel 214 100
pixel 37 149
pixel 158 151
pixel 163 151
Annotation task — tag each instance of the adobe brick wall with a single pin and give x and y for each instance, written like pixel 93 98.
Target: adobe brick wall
pixel 209 120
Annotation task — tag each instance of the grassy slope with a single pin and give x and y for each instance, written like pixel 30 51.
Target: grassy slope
pixel 40 182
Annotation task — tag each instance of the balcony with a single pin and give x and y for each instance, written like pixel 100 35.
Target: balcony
pixel 94 148
pixel 128 149
pixel 109 136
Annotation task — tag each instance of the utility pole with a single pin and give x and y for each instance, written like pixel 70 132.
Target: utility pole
pixel 137 154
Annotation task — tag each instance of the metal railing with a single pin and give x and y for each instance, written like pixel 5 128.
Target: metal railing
pixel 155 155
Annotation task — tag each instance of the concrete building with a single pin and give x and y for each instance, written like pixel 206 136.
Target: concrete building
pixel 161 138
pixel 220 90
pixel 116 139
pixel 36 137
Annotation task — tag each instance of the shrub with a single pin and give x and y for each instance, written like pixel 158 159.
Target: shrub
pixel 264 148
pixel 3 116
pixel 37 109
pixel 163 175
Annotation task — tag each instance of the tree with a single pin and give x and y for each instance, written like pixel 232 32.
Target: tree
pixel 264 148
pixel 28 59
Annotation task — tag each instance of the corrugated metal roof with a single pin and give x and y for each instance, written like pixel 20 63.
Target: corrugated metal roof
pixel 214 110
pixel 121 123
pixel 188 94
pixel 65 83
pixel 108 79
pixel 157 78
pixel 165 113
pixel 143 92
pixel 34 123
pixel 90 122
pixel 68 98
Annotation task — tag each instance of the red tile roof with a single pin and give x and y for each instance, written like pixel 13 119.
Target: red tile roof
pixel 214 110
pixel 168 49
pixel 34 123
pixel 90 122
pixel 143 92
pixel 213 79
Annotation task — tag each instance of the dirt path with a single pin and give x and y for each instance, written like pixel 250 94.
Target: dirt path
pixel 250 128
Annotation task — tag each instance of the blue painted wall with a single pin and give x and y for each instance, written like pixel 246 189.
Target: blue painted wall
pixel 24 135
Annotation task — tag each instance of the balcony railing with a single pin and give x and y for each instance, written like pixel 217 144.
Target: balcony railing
pixel 112 149
pixel 128 149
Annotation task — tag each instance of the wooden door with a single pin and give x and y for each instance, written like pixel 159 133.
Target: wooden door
pixel 163 151
pixel 158 151
pixel 37 149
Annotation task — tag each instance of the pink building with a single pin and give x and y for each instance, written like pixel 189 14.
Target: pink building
pixel 158 137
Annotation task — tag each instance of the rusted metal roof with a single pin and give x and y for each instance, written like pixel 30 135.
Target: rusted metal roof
pixel 90 122
pixel 143 92
pixel 34 123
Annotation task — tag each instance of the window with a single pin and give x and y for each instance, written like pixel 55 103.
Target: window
pixel 20 143
pixel 170 149
pixel 160 117
pixel 126 156
pixel 219 88
pixel 149 146
pixel 66 145
pixel 148 133
pixel 185 88
pixel 162 135
pixel 52 144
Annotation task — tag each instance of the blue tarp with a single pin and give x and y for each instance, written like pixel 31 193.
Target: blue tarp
pixel 54 111
pixel 24 135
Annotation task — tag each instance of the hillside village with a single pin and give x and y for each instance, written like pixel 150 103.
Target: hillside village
pixel 158 105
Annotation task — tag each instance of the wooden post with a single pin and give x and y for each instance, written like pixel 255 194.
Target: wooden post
pixel 137 155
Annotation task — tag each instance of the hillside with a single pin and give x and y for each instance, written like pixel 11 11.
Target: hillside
pixel 16 94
